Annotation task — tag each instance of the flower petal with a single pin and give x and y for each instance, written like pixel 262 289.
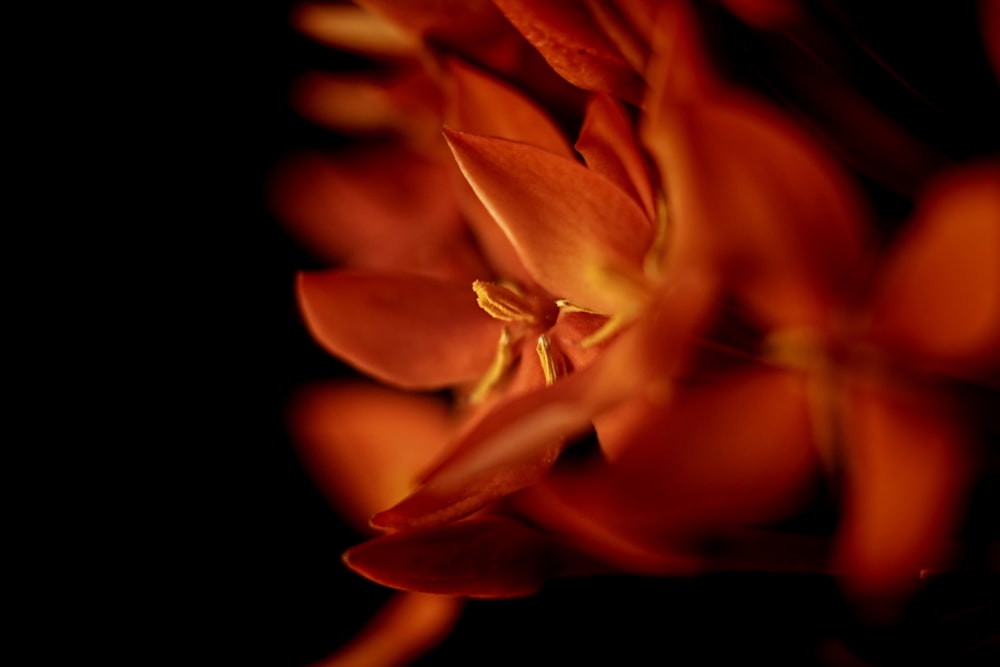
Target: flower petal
pixel 484 105
pixel 566 222
pixel 939 299
pixel 485 557
pixel 409 331
pixel 362 461
pixel 569 40
pixel 344 211
pixel 353 29
pixel 608 145
pixel 755 197
pixel 407 627
pixel 512 447
pixel 907 464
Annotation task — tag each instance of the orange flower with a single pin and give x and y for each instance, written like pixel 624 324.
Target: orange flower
pixel 657 343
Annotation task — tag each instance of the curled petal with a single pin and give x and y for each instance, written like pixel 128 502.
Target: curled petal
pixel 343 209
pixel 939 301
pixel 362 461
pixel 907 463
pixel 569 40
pixel 566 222
pixel 484 557
pixel 408 331
pixel 482 104
pixel 608 146
pixel 409 626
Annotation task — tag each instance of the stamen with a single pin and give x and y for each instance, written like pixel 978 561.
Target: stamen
pixel 503 303
pixel 551 359
pixel 566 306
pixel 501 362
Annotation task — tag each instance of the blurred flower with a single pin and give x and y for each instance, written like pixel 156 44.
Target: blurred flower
pixel 657 343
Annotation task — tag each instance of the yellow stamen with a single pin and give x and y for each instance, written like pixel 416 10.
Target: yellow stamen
pixel 566 306
pixel 629 289
pixel 503 303
pixel 501 362
pixel 551 359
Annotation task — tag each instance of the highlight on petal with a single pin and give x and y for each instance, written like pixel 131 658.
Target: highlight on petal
pixel 407 627
pixel 939 299
pixel 482 104
pixel 570 41
pixel 608 145
pixel 566 222
pixel 906 469
pixel 344 211
pixel 483 557
pixel 408 331
pixel 361 460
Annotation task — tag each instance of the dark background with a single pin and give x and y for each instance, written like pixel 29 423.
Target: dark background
pixel 237 558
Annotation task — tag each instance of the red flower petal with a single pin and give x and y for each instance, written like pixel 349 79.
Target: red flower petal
pixel 907 463
pixel 343 210
pixel 939 301
pixel 569 40
pixel 608 146
pixel 410 625
pixel 486 557
pixel 755 197
pixel 566 222
pixel 409 331
pixel 481 104
pixel 361 460
pixel 511 448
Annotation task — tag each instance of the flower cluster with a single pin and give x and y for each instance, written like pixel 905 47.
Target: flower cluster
pixel 626 313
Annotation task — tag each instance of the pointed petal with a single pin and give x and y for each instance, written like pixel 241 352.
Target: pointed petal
pixel 569 40
pixel 566 222
pixel 362 460
pixel 939 301
pixel 907 465
pixel 608 145
pixel 410 625
pixel 485 557
pixel 482 104
pixel 409 331
pixel 344 210
pixel 511 448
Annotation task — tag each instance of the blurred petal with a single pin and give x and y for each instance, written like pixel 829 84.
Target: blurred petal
pixel 353 29
pixel 344 210
pixel 753 195
pixel 410 625
pixel 989 19
pixel 907 464
pixel 362 461
pixel 569 40
pixel 485 557
pixel 939 301
pixel 608 145
pixel 566 222
pixel 484 105
pixel 408 331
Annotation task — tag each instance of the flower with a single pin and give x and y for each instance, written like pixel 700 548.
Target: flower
pixel 657 344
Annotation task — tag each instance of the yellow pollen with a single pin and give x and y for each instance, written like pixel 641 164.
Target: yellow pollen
pixel 553 364
pixel 501 362
pixel 503 303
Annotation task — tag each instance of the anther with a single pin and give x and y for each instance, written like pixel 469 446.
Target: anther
pixel 503 303
pixel 551 359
